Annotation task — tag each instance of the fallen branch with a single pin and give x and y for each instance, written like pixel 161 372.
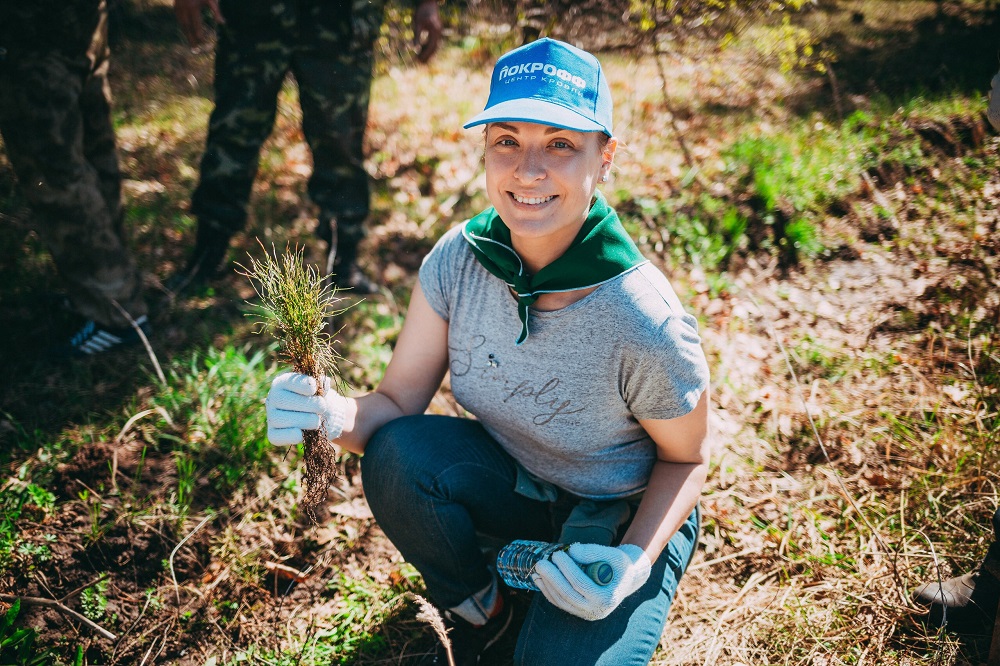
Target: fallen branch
pixel 170 560
pixel 145 341
pixel 52 603
pixel 286 572
pixel 80 589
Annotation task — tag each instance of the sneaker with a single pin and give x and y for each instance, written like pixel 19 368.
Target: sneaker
pixel 94 338
pixel 966 604
pixel 468 643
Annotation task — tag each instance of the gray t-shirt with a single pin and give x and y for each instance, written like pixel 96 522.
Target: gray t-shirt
pixel 566 403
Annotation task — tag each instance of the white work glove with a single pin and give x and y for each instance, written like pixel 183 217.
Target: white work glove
pixel 565 584
pixel 993 112
pixel 293 406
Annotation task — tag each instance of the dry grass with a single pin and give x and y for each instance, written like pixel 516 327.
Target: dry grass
pixel 812 540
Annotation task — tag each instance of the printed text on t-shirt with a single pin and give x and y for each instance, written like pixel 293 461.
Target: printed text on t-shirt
pixel 546 395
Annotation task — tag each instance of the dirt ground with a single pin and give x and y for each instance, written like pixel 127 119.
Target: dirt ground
pixel 868 330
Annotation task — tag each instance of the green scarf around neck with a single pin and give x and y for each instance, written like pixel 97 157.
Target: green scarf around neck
pixel 601 251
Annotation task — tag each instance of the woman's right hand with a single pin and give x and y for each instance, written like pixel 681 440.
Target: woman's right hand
pixel 293 406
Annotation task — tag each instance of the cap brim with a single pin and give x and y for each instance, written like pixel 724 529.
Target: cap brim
pixel 537 111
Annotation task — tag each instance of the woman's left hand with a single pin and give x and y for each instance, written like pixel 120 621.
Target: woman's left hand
pixel 565 584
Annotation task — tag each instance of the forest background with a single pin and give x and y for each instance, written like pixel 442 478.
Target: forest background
pixel 818 181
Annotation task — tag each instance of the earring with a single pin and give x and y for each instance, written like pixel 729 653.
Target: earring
pixel 604 178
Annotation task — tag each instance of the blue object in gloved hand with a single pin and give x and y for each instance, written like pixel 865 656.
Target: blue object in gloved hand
pixel 565 583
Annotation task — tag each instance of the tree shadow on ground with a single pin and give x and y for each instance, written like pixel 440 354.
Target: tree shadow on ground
pixel 141 20
pixel 956 49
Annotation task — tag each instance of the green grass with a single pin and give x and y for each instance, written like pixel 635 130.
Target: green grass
pixel 784 186
pixel 907 412
pixel 21 501
pixel 216 426
pixel 350 633
pixel 377 325
pixel 18 645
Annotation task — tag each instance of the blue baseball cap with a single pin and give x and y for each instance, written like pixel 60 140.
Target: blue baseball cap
pixel 551 83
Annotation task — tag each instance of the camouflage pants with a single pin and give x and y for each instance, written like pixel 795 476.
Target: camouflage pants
pixel 55 118
pixel 327 46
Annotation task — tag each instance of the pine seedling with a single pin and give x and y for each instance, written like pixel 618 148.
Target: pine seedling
pixel 296 303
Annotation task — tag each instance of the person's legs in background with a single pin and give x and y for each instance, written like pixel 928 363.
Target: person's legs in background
pixel 966 604
pixel 99 146
pixel 332 64
pixel 252 58
pixel 55 119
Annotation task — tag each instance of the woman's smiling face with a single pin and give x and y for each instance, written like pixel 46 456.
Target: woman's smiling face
pixel 541 180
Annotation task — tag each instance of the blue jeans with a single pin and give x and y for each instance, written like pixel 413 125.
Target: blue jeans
pixel 436 483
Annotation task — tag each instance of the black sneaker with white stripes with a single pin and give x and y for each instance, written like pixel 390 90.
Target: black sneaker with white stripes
pixel 94 338
pixel 468 643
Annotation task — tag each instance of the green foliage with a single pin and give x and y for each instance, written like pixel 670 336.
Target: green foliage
pixel 672 23
pixel 792 46
pixel 370 349
pixel 663 26
pixel 296 305
pixel 814 359
pixel 93 503
pixel 94 601
pixel 186 470
pixel 689 234
pixel 351 633
pixel 364 605
pixel 217 426
pixel 884 139
pixel 794 178
pixel 37 552
pixel 801 171
pixel 783 187
pixel 19 499
pixel 716 18
pixel 17 646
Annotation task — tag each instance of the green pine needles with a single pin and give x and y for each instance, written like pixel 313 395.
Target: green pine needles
pixel 296 305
